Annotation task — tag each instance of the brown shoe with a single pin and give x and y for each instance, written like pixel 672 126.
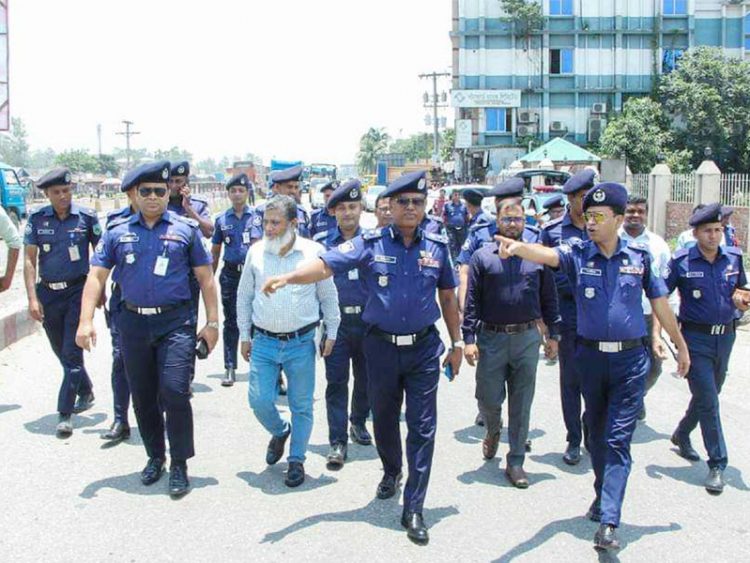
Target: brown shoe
pixel 489 445
pixel 517 476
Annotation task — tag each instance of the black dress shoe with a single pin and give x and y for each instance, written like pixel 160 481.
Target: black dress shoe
pixel 685 448
pixel 388 486
pixel 153 470
pixel 179 484
pixel 118 431
pixel 359 435
pixel 595 511
pixel 336 455
pixel 605 538
pixel 714 482
pixel 229 378
pixel 572 455
pixel 83 403
pixel 64 427
pixel 415 528
pixel 282 386
pixel 295 474
pixel 276 447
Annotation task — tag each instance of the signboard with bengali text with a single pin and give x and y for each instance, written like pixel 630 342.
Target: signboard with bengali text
pixel 464 132
pixel 486 98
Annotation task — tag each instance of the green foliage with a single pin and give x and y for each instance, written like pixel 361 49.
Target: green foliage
pixel 42 160
pixel 107 165
pixel 414 147
pixel 174 154
pixel 14 148
pixel 372 145
pixel 448 144
pixel 526 14
pixel 77 161
pixel 529 142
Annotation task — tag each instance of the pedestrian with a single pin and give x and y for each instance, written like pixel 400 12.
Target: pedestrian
pixel 707 277
pixel 154 250
pixel 57 241
pixel 403 265
pixel 233 231
pixel 730 232
pixel 323 220
pixel 382 212
pixel 555 207
pixel 505 300
pixel 346 204
pixel 608 276
pixel 477 216
pixel 13 241
pixel 278 332
pixel 284 182
pixel 439 205
pixel 571 226
pixel 456 218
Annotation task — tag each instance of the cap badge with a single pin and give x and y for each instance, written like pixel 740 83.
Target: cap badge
pixel 165 173
pixel 599 196
pixel 67 177
pixel 354 194
pixel 181 169
pixel 422 184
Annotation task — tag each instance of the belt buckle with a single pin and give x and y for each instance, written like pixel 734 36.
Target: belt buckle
pixel 58 286
pixel 610 347
pixel 404 340
pixel 718 330
pixel 148 310
pixel 239 267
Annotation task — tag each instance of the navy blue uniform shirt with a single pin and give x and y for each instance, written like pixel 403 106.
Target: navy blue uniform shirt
pixel 322 224
pixel 456 214
pixel 235 233
pixel 401 281
pixel 480 218
pixel 199 205
pixel 484 234
pixel 113 217
pixel 351 285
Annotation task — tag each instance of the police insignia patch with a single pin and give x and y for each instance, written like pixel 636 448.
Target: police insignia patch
pixel 257 221
pixel 347 246
pixel 383 281
pixel 97 229
pixel 129 258
pixel 99 246
pixel 46 247
pixel 28 229
pixel 67 178
pixel 165 173
pixel 589 292
pixel 697 294
pixel 181 170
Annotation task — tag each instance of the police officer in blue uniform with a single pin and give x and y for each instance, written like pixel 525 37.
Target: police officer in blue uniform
pixel 402 266
pixel 284 182
pixel 730 232
pixel 555 207
pixel 707 277
pixel 432 224
pixel 233 231
pixel 477 216
pixel 186 204
pixel 322 221
pixel 346 204
pixel 154 251
pixel 608 277
pixel 456 217
pixel 570 226
pixel 57 240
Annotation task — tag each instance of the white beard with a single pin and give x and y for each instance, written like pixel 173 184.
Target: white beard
pixel 274 245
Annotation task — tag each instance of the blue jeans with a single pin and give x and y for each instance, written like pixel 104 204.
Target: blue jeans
pixel 297 358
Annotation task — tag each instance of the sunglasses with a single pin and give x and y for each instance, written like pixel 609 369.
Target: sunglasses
pixel 597 217
pixel 512 220
pixel 158 192
pixel 407 201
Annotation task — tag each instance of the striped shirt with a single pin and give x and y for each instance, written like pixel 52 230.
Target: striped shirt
pixel 291 307
pixel 8 231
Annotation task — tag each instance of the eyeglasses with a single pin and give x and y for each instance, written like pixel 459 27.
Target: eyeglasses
pixel 407 201
pixel 597 217
pixel 158 192
pixel 512 220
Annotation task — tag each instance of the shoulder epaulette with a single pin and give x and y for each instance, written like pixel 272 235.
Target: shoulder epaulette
pixel 533 228
pixel 736 250
pixel 372 234
pixel 640 246
pixel 188 220
pixel 87 211
pixel 680 253
pixel 552 224
pixel 436 237
pixel 117 221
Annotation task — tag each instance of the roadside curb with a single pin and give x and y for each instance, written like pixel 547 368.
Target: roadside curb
pixel 15 326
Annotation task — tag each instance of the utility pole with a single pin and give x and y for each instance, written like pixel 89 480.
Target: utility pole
pixel 128 133
pixel 436 103
pixel 99 137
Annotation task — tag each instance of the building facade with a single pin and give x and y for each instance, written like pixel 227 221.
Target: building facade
pixel 511 84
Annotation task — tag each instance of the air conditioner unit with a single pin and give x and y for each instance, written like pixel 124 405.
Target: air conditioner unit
pixel 596 128
pixel 599 108
pixel 525 130
pixel 557 126
pixel 527 117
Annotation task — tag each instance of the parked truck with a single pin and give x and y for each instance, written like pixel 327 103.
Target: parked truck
pixel 12 194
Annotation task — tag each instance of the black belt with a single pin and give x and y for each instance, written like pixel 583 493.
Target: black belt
pixel 611 347
pixel 713 330
pixel 403 339
pixel 509 329
pixel 154 310
pixel 59 286
pixel 286 336
pixel 235 268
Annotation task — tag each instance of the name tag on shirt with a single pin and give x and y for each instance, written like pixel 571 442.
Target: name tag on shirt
pixel 429 263
pixel 175 238
pixel 45 231
pixel 591 272
pixel 129 237
pixel 637 270
pixel 74 253
pixel 160 268
pixel 353 274
pixel 227 227
pixel 694 275
pixel 245 238
pixel 385 259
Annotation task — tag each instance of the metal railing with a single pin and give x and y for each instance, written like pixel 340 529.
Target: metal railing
pixel 638 185
pixel 734 190
pixel 683 188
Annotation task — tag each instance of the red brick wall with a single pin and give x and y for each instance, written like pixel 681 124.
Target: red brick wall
pixel 678 215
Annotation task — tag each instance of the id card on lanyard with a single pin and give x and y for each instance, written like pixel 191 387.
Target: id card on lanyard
pixel 162 263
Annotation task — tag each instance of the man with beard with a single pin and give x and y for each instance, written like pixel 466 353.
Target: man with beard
pixel 279 332
pixel 284 182
pixel 383 212
pixel 505 300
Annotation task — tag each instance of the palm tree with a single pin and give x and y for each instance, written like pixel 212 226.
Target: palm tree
pixel 371 146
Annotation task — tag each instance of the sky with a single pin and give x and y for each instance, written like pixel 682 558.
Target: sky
pixel 290 79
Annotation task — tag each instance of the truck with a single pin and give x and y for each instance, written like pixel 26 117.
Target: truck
pixel 12 194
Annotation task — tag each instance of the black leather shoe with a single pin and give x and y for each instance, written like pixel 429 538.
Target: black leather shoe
pixel 153 470
pixel 595 511
pixel 229 378
pixel 276 447
pixel 714 482
pixel 359 434
pixel 388 486
pixel 415 528
pixel 117 432
pixel 479 421
pixel 336 456
pixel 179 484
pixel 282 386
pixel 64 427
pixel 295 474
pixel 572 455
pixel 685 448
pixel 605 538
pixel 83 403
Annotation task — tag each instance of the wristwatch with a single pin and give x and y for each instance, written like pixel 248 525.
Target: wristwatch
pixel 213 324
pixel 459 344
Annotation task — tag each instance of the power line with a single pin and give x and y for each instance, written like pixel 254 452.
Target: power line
pixel 435 103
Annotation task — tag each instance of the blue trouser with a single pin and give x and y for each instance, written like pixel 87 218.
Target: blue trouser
pixel 709 357
pixel 348 348
pixel 62 310
pixel 570 386
pixel 159 353
pixel 613 387
pixel 414 371
pixel 297 358
pixel 120 387
pixel 456 238
pixel 229 280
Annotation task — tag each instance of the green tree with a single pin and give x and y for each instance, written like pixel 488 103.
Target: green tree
pixel 448 144
pixel 208 166
pixel 136 156
pixel 42 160
pixel 14 147
pixel 372 145
pixel 77 161
pixel 107 165
pixel 174 154
pixel 414 147
pixel 526 14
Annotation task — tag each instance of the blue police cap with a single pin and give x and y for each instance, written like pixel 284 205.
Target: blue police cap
pixel 711 213
pixel 583 180
pixel 512 187
pixel 157 172
pixel 726 211
pixel 473 196
pixel 554 201
pixel 332 185
pixel 181 168
pixel 56 177
pixel 240 179
pixel 348 191
pixel 287 175
pixel 607 194
pixel 411 182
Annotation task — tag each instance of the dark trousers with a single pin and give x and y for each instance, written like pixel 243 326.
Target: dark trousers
pixel 159 353
pixel 413 371
pixel 656 362
pixel 570 386
pixel 229 280
pixel 348 348
pixel 62 310
pixel 456 239
pixel 613 388
pixel 120 387
pixel 709 357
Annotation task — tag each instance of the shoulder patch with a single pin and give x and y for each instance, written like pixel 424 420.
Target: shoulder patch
pixel 479 225
pixel 736 250
pixel 197 197
pixel 435 218
pixel 681 253
pixel 436 237
pixel 575 242
pixel 188 220
pixel 117 221
pixel 37 211
pixel 552 224
pixel 87 211
pixel 372 234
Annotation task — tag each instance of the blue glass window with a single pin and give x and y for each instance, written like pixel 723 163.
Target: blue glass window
pixel 560 7
pixel 561 61
pixel 675 7
pixel 496 119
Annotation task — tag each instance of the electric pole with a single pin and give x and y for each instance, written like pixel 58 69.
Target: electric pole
pixel 128 133
pixel 435 102
pixel 99 137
